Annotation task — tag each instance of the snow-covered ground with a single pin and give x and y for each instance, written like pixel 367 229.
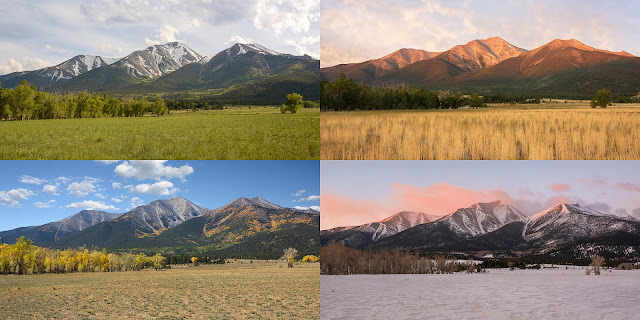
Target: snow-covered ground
pixel 500 294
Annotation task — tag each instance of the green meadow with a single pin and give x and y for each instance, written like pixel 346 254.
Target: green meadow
pixel 241 133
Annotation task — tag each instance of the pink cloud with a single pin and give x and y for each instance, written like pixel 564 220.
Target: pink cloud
pixel 629 186
pixel 560 187
pixel 442 198
pixel 340 210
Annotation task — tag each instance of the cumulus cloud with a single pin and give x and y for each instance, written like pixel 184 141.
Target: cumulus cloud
pixel 116 185
pixel 63 180
pixel 280 15
pixel 116 200
pixel 83 188
pixel 316 208
pixel 621 212
pixel 161 188
pixel 164 35
pixel 24 64
pixel 238 39
pixel 136 202
pixel 32 180
pixel 91 205
pixel 107 161
pixel 100 195
pixel 299 193
pixel 13 197
pixel 151 169
pixel 309 198
pixel 47 204
pixel 50 189
pixel 302 46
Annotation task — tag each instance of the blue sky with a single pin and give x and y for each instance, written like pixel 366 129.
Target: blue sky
pixel 355 31
pixel 41 33
pixel 38 192
pixel 355 192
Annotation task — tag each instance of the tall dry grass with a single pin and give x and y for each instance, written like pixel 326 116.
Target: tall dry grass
pixel 490 134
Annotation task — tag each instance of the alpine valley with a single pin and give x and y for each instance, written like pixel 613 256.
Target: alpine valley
pixel 493 65
pixel 496 229
pixel 246 73
pixel 245 228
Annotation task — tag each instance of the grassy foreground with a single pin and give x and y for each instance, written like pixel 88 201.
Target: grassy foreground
pixel 550 131
pixel 258 290
pixel 235 134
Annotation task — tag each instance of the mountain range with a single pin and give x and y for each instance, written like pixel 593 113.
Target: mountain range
pixel 493 65
pixel 564 230
pixel 242 71
pixel 247 227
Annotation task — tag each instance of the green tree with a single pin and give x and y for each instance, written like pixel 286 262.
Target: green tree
pixel 293 103
pixel 603 98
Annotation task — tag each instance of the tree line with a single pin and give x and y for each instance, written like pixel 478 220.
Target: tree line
pixel 340 260
pixel 344 94
pixel 24 257
pixel 25 102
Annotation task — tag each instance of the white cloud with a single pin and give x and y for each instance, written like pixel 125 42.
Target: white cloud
pixel 151 169
pixel 116 200
pixel 316 208
pixel 107 161
pixel 136 202
pixel 302 46
pixel 63 180
pixel 116 185
pixel 161 188
pixel 31 180
pixel 81 189
pixel 299 193
pixel 238 39
pixel 100 195
pixel 91 205
pixel 165 34
pixel 280 15
pixel 50 189
pixel 309 198
pixel 47 204
pixel 12 197
pixel 24 64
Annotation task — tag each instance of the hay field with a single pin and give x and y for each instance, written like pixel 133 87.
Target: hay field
pixel 550 131
pixel 258 290
pixel 255 133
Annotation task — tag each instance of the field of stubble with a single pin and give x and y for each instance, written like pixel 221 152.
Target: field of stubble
pixel 541 132
pixel 259 290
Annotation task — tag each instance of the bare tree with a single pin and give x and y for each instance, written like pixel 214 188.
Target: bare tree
pixel 597 262
pixel 289 256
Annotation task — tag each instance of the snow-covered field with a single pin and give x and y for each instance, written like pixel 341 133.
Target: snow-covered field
pixel 500 294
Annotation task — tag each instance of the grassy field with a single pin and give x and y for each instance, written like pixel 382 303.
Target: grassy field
pixel 236 133
pixel 257 290
pixel 548 131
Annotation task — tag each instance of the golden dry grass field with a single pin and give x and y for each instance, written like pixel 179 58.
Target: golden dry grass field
pixel 257 290
pixel 549 131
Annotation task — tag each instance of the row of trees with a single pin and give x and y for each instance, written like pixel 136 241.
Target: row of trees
pixel 341 260
pixel 24 257
pixel 25 102
pixel 345 94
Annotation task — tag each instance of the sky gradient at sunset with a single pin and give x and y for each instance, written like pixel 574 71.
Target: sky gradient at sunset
pixel 357 192
pixel 356 31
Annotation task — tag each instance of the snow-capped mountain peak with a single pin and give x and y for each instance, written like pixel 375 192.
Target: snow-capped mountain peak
pixel 480 218
pixel 159 59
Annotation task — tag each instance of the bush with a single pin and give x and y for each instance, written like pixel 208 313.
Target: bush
pixel 310 258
